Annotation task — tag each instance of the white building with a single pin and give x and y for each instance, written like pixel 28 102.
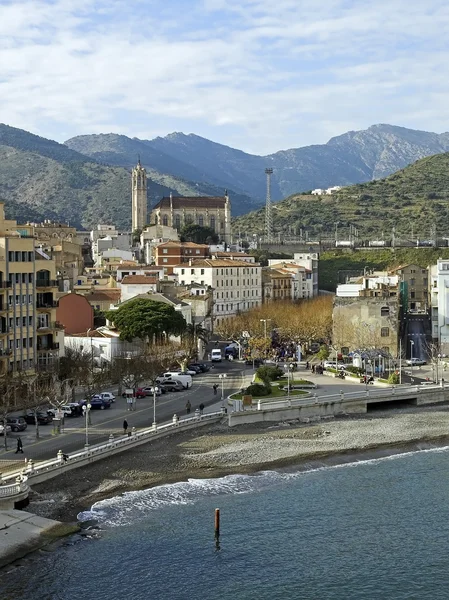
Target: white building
pixel 237 284
pixel 439 299
pixel 152 236
pixel 327 192
pixel 354 289
pixel 103 345
pixel 134 285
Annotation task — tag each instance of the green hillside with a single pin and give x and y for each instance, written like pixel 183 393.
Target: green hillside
pixel 411 200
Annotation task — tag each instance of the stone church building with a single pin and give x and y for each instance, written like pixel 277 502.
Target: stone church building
pixel 177 211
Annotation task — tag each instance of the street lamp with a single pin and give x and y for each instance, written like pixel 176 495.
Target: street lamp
pixel 86 411
pixel 289 368
pixel 265 321
pixel 222 377
pixel 438 367
pixel 154 405
pixel 380 358
pixel 412 343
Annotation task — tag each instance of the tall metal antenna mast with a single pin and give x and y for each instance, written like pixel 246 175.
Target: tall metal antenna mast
pixel 268 220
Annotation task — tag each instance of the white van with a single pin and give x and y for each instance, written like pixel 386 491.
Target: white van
pixel 216 355
pixel 186 380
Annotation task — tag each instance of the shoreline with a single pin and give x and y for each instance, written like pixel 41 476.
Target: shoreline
pixel 217 451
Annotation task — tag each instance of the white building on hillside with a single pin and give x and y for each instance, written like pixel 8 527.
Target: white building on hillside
pixel 237 284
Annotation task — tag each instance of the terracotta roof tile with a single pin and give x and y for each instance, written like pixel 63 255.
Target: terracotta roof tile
pixel 216 262
pixel 103 296
pixel 141 279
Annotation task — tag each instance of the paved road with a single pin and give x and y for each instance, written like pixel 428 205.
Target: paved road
pixel 417 333
pixel 105 422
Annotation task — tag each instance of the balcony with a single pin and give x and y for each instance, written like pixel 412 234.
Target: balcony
pixel 5 285
pixel 4 352
pixel 47 347
pixel 49 325
pixel 46 283
pixel 46 305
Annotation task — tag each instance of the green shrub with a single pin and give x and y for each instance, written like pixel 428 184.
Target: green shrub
pixel 394 378
pixel 353 369
pixel 323 353
pixel 258 389
pixel 269 373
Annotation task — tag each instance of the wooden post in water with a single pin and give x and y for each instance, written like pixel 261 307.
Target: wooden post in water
pixel 217 528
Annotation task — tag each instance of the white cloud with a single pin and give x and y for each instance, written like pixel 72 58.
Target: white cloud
pixel 249 73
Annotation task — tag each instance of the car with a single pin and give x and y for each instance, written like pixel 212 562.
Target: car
pixel 257 362
pixel 203 366
pixel 66 411
pixel 195 368
pixel 171 385
pixel 97 403
pixel 189 371
pixel 43 418
pixel 107 396
pixel 331 364
pixel 16 423
pixel 415 362
pixel 185 379
pixel 149 391
pixel 2 429
pixel 137 393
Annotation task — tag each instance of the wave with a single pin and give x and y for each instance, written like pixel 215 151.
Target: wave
pixel 131 507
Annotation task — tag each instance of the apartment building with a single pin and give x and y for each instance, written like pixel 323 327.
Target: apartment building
pixel 415 283
pixel 30 337
pixel 237 285
pixel 172 253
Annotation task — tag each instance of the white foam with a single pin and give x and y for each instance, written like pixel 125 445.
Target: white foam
pixel 134 506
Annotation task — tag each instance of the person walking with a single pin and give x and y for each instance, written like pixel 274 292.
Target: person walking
pixel 19 446
pixel 188 407
pixel 215 386
pixel 201 407
pixel 125 426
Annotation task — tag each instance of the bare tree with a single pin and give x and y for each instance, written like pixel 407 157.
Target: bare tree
pixel 12 396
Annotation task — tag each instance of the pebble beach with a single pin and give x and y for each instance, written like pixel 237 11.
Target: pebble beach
pixel 218 450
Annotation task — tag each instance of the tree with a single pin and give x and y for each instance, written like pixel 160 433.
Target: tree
pixel 198 234
pixel 146 320
pixel 12 395
pixel 41 391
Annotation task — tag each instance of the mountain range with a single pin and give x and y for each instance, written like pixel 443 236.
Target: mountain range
pixel 87 179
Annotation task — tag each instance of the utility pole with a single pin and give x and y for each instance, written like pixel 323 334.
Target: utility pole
pixel 268 219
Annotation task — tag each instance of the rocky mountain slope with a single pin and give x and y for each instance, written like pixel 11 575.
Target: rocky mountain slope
pixel 353 157
pixel 413 200
pixel 41 179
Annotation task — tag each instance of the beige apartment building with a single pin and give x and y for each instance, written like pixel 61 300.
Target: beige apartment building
pixel 29 333
pixel 415 282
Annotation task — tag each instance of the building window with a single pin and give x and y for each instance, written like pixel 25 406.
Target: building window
pixel 202 272
pixel 165 260
pixel 385 332
pixel 212 223
pixel 192 271
pixel 197 251
pixel 384 311
pixel 177 221
pixel 412 282
pixel 412 294
pixel 165 220
pixel 164 251
pixel 182 271
pixel 201 221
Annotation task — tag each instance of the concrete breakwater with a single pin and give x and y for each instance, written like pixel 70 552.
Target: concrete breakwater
pixel 22 532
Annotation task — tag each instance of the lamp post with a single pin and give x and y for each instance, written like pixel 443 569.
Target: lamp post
pixel 154 405
pixel 412 343
pixel 380 358
pixel 222 377
pixel 86 410
pixel 288 368
pixel 264 321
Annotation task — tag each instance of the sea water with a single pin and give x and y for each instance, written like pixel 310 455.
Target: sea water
pixel 374 529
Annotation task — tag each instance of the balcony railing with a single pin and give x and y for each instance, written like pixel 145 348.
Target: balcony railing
pixel 5 351
pixel 46 283
pixel 50 325
pixel 47 304
pixel 5 284
pixel 48 347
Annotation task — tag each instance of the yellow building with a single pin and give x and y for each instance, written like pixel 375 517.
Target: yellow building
pixel 28 329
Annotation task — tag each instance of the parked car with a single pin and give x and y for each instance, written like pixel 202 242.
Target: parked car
pixel 96 403
pixel 195 368
pixel 415 362
pixel 43 418
pixel 107 396
pixel 171 385
pixel 66 411
pixel 149 391
pixel 17 423
pixel 184 378
pixel 2 429
pixel 137 393
pixel 203 366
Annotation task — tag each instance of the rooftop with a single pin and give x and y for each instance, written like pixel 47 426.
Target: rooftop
pixel 139 279
pixel 216 262
pixel 192 201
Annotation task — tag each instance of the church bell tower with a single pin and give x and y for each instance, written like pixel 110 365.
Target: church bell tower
pixel 139 197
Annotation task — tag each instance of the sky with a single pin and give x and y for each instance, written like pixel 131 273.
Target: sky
pixel 257 75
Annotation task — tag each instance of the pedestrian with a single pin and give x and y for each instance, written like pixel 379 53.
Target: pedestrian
pixel 125 426
pixel 307 365
pixel 188 407
pixel 313 369
pixel 215 386
pixel 19 446
pixel 201 407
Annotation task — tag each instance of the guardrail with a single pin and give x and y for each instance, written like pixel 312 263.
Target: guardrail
pixel 50 468
pixel 395 391
pixel 13 489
